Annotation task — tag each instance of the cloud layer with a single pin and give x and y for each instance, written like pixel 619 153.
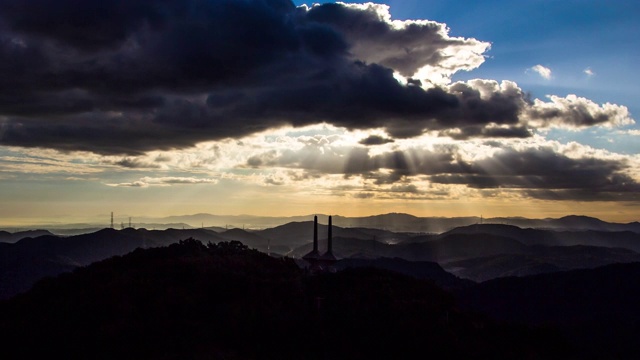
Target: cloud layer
pixel 128 77
pixel 166 181
pixel 541 171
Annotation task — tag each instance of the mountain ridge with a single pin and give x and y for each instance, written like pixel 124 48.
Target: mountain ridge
pixel 397 222
pixel 496 250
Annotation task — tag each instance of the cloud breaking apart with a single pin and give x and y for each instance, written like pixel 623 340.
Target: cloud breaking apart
pixel 128 77
pixel 543 71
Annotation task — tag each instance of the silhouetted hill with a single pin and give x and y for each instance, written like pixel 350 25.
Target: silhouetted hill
pixel 420 238
pixel 217 229
pixel 190 301
pixel 232 221
pixel 141 226
pixel 581 222
pixel 252 240
pixel 571 222
pixel 383 236
pixel 295 234
pixel 589 223
pixel 169 236
pixel 349 248
pixel 510 231
pixel 500 250
pixel 292 234
pixel 448 248
pixel 596 308
pixel 75 231
pixel 459 246
pixel 419 269
pixel 399 222
pixel 8 237
pixel 24 262
pixel 540 260
pixel 483 252
pixel 496 266
pixel 611 239
pixel 30 259
pixel 393 222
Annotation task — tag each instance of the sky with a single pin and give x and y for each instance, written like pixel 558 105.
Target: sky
pixel 279 108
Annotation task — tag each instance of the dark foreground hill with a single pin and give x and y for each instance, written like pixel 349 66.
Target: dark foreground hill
pixel 418 269
pixel 595 308
pixel 190 301
pixel 24 262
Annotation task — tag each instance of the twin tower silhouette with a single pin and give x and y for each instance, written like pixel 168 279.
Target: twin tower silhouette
pixel 317 261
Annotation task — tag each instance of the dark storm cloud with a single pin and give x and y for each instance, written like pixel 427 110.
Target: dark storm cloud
pixel 133 163
pixel 127 77
pixel 96 132
pixel 375 140
pixel 87 25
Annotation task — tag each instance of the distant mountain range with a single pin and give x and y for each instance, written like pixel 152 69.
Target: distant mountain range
pixel 393 222
pixel 399 222
pixel 8 237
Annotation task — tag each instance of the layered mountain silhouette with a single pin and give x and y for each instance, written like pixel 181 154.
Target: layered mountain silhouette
pixel 8 237
pixel 425 270
pixel 224 301
pixel 540 260
pixel 394 222
pixel 29 259
pixel 149 293
pixel 612 239
pixel 477 252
